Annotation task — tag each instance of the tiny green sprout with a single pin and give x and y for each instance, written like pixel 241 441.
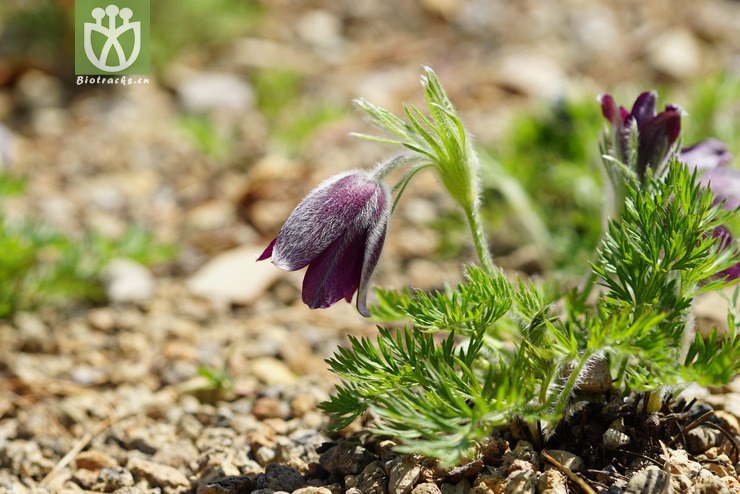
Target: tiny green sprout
pixel 218 384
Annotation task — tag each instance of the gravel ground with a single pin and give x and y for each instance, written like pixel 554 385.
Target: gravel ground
pixel 110 398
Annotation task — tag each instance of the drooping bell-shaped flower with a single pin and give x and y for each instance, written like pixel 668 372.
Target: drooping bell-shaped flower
pixel 338 231
pixel 656 132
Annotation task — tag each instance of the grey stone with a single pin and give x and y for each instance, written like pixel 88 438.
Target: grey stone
pixel 212 91
pixel 520 482
pixel 426 488
pixel 282 477
pixel 702 438
pixel 230 485
pixel 111 479
pixel 128 281
pixel 373 479
pixel 7 147
pixel 404 475
pixel 158 475
pixel 462 487
pixel 313 490
pixel 650 479
pixel 596 377
pixel 346 458
pixel 567 459
pixel 234 277
pixel 552 482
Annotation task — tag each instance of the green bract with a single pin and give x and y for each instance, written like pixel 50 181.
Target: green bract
pixel 441 141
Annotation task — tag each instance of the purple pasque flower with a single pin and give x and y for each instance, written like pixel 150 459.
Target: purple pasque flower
pixel 656 132
pixel 709 158
pixel 705 155
pixel 724 241
pixel 337 231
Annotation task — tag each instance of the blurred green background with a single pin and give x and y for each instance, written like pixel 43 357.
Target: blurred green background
pixel 249 103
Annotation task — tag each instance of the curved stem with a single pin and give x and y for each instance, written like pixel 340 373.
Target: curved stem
pixel 400 187
pixel 479 239
pixel 385 167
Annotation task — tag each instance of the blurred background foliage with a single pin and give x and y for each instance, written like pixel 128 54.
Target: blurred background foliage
pixel 549 144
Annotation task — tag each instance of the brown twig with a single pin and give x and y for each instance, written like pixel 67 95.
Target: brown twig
pixel 665 489
pixel 78 446
pixel 569 473
pixel 697 422
pixel 633 453
pixel 733 441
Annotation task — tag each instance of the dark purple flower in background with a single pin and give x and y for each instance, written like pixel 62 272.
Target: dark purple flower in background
pixel 725 183
pixel 705 155
pixel 656 132
pixel 709 158
pixel 337 231
pixel 724 241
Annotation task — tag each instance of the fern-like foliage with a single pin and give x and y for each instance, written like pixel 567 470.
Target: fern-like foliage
pixel 437 396
pixel 654 261
pixel 469 308
pixel 439 384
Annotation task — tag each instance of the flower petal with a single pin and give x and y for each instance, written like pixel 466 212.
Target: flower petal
pixel 725 240
pixel 323 216
pixel 644 108
pixel 705 155
pixel 609 108
pixel 373 247
pixel 268 251
pixel 656 138
pixel 335 273
pixel 725 183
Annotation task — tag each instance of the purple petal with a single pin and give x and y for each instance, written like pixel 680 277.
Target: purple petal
pixel 725 240
pixel 335 273
pixel 618 116
pixel 724 237
pixel 656 138
pixel 731 273
pixel 323 216
pixel 609 108
pixel 268 251
pixel 705 155
pixel 644 108
pixel 372 254
pixel 725 183
pixel 375 241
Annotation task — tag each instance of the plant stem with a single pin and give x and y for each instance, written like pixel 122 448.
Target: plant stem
pixel 479 239
pixel 588 283
pixel 519 201
pixel 388 165
pixel 570 384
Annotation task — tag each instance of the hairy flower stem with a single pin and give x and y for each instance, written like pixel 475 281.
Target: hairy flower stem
pixel 567 391
pixel 388 165
pixel 479 239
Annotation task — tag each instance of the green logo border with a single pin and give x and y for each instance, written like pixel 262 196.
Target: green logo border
pixel 83 14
